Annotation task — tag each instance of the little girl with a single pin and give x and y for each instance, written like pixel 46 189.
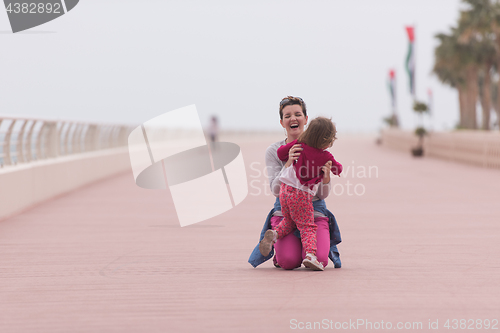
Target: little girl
pixel 299 184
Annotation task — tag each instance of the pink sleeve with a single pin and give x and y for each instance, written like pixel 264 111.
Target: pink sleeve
pixel 336 166
pixel 283 151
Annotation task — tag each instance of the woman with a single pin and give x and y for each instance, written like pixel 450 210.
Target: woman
pixel 289 252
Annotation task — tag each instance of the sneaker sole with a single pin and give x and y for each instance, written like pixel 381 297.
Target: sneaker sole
pixel 266 244
pixel 312 265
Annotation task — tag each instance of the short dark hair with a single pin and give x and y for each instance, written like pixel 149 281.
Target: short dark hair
pixel 320 132
pixel 290 100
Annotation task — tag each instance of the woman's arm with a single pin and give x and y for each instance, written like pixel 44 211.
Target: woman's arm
pixel 324 186
pixel 275 166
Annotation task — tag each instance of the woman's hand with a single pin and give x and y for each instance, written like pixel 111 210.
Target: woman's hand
pixel 294 154
pixel 326 169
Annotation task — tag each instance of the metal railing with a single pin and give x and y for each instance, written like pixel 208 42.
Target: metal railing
pixel 23 140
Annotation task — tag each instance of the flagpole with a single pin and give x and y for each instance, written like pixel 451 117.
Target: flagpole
pixel 392 90
pixel 410 61
pixel 414 64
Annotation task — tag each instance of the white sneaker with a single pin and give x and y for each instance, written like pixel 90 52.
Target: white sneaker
pixel 312 262
pixel 266 244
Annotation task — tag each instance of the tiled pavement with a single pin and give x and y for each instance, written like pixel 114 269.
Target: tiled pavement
pixel 421 241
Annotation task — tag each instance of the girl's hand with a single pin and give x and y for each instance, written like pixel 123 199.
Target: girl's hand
pixel 326 169
pixel 294 154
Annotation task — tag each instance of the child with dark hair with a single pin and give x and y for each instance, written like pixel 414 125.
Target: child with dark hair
pixel 299 184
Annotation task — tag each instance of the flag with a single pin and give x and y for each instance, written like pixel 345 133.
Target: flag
pixel 410 59
pixel 391 84
pixel 392 88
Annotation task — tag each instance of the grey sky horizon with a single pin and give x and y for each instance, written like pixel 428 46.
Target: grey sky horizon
pixel 129 61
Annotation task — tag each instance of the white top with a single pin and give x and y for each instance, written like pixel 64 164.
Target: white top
pixel 274 168
pixel 289 176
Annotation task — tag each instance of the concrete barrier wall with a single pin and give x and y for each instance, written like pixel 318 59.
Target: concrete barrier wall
pixel 25 185
pixel 399 140
pixel 472 147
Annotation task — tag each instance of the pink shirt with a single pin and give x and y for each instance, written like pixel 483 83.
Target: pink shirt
pixel 308 165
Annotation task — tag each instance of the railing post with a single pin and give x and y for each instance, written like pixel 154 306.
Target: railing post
pixel 108 137
pixel 39 139
pixel 100 137
pixel 111 136
pixel 6 148
pixel 90 140
pixel 86 139
pixel 99 132
pixel 28 144
pixel 123 136
pixel 115 137
pixel 65 149
pixel 77 135
pixel 52 143
pixel 20 143
pixel 60 140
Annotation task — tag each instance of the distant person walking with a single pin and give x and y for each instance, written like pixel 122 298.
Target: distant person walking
pixel 213 129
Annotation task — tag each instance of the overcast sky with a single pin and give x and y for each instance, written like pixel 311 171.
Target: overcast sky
pixel 124 61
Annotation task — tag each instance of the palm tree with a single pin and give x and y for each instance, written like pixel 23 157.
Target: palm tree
pixel 487 61
pixel 495 31
pixel 466 57
pixel 476 26
pixel 449 68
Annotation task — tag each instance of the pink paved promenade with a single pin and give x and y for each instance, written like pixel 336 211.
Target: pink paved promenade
pixel 421 243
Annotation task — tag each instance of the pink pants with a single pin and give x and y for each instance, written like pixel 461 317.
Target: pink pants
pixel 289 251
pixel 298 212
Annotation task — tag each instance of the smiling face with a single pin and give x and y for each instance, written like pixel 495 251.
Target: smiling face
pixel 293 121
